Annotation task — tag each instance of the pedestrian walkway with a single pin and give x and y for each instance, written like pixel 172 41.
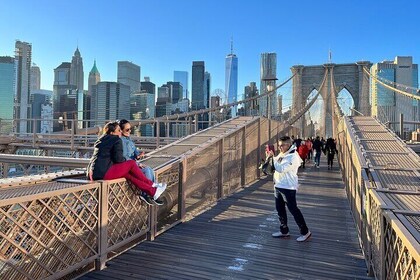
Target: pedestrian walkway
pixel 233 239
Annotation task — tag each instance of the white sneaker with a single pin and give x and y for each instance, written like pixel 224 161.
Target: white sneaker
pixel 278 234
pixel 159 190
pixel 305 237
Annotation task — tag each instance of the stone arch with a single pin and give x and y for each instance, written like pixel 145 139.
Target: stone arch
pixel 349 76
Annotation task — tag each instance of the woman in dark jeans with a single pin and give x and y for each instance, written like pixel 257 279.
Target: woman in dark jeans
pixel 108 163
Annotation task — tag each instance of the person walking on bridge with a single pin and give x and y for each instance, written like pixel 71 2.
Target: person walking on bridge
pixel 317 147
pixel 285 178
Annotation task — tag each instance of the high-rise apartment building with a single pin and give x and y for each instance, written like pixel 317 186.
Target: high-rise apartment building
pixel 129 74
pixel 110 101
pixel 268 74
pixel 182 78
pixel 23 58
pixel 76 71
pixel 197 85
pixel 7 92
pixel 231 79
pixel 35 77
pixel 387 105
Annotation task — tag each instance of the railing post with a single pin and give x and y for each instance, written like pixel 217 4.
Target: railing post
pixel 402 126
pixel 73 127
pixel 181 191
pixel 151 234
pixel 243 157
pixel 100 263
pixel 157 134
pixel 196 122
pixel 34 126
pixel 258 148
pixel 220 170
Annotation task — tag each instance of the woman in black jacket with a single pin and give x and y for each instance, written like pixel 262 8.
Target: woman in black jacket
pixel 108 163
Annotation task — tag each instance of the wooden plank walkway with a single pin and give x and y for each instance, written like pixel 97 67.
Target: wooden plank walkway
pixel 233 239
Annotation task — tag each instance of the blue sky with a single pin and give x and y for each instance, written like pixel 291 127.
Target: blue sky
pixel 166 35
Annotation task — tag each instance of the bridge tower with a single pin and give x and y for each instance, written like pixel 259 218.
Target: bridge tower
pixel 333 78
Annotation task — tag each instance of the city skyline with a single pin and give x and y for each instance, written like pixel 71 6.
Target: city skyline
pixel 162 44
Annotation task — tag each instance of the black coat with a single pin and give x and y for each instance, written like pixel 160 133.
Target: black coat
pixel 317 145
pixel 108 150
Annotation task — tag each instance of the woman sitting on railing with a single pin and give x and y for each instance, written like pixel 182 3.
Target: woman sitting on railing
pixel 130 152
pixel 108 163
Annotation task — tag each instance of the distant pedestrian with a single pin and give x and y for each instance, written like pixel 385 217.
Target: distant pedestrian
pixel 303 152
pixel 317 146
pixel 308 144
pixel 285 186
pixel 330 150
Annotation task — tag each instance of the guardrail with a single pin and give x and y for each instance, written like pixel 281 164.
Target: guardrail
pixel 64 227
pixel 389 241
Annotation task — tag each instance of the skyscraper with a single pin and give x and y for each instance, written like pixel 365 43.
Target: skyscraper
pixel 63 99
pixel 182 78
pixel 176 91
pixel 129 74
pixel 197 85
pixel 268 74
pixel 94 78
pixel 39 99
pixel 35 78
pixel 7 78
pixel 251 108
pixel 231 79
pixel 388 105
pixel 76 71
pixel 207 89
pixel 110 101
pixel 23 57
pixel 148 86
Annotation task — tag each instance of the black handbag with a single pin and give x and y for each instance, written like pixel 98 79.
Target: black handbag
pixel 268 166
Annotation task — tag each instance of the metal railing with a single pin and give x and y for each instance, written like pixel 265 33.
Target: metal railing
pixel 389 241
pixel 64 227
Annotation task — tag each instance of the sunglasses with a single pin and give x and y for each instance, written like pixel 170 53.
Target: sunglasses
pixel 127 129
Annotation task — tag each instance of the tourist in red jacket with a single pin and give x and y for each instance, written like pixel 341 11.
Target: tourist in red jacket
pixel 303 152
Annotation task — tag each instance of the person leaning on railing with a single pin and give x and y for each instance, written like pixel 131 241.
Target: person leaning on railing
pixel 108 163
pixel 130 152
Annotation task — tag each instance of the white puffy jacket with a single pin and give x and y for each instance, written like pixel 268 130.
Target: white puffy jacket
pixel 287 165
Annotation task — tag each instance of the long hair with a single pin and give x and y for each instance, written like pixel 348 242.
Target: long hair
pixel 110 127
pixel 122 123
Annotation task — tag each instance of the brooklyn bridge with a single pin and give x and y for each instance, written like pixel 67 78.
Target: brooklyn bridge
pixel 218 211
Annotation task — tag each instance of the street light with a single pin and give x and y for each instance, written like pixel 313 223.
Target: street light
pixel 270 85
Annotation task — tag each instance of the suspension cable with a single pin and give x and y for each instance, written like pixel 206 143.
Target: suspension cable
pixel 390 87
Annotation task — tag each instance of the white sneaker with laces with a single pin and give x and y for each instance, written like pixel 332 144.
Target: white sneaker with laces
pixel 305 237
pixel 278 234
pixel 159 190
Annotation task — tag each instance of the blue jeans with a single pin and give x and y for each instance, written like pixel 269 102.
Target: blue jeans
pixel 148 172
pixel 317 157
pixel 290 196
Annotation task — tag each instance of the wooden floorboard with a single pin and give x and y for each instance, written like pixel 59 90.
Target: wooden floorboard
pixel 233 239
